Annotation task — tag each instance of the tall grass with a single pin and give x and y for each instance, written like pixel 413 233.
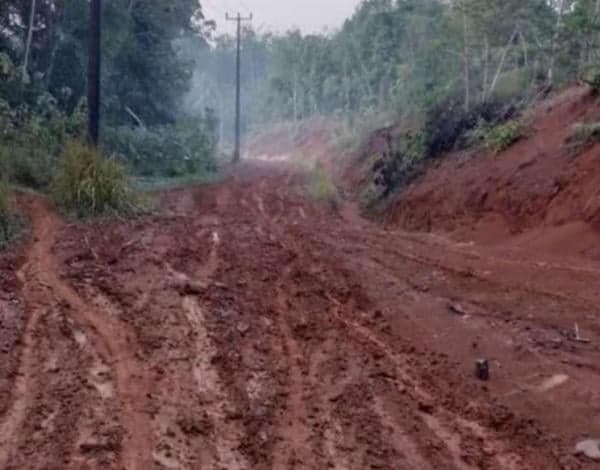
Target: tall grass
pixel 5 198
pixel 320 185
pixel 583 133
pixel 89 184
pixel 10 223
pixel 502 136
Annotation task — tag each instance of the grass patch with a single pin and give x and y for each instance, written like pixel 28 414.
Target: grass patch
pixel 320 185
pixel 89 184
pixel 11 225
pixel 584 133
pixel 502 136
pixel 591 76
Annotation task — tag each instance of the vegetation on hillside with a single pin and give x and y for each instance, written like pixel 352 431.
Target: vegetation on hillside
pixel 446 67
pixel 86 183
pixel 320 185
pixel 147 71
pixel 459 71
pixel 10 223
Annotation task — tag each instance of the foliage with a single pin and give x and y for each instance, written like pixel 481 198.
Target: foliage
pixel 187 148
pixel 584 133
pixel 88 184
pixel 502 136
pixel 33 137
pixel 591 76
pixel 10 223
pixel 147 73
pixel 448 124
pixel 399 162
pixel 320 185
pixel 405 57
pixel 5 198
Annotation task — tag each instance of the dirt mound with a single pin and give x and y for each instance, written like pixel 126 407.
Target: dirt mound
pixel 541 183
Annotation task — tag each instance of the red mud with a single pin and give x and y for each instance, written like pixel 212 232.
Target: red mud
pixel 540 194
pixel 248 327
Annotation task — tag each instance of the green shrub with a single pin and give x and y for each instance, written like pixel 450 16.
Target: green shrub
pixel 583 133
pixel 591 76
pixel 187 148
pixel 88 184
pixel 502 136
pixel 32 139
pixel 10 223
pixel 5 198
pixel 321 186
pixel 397 163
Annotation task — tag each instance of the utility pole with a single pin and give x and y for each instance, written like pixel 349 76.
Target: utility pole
pixel 94 71
pixel 239 18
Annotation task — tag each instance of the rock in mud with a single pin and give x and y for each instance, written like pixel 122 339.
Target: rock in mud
pixel 589 447
pixel 243 328
pixel 482 369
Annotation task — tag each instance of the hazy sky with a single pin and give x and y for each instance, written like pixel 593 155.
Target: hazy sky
pixel 281 15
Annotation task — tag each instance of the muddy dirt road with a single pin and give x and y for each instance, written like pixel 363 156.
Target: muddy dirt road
pixel 247 327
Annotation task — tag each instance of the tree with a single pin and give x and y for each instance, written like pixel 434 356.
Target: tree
pixel 28 42
pixel 94 71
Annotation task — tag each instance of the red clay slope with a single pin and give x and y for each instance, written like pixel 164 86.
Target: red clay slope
pixel 538 194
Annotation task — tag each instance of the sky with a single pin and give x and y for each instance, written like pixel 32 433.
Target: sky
pixel 281 15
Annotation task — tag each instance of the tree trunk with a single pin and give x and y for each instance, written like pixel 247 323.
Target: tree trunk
pixel 94 66
pixel 467 78
pixel 555 38
pixel 28 42
pixel 501 64
pixel 295 97
pixel 486 67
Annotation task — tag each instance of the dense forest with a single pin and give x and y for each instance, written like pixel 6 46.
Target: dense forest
pixel 147 69
pixel 402 58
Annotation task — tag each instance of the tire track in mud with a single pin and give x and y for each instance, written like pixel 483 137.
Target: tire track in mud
pixel 293 449
pixel 41 280
pixel 227 436
pixel 464 444
pixel 437 417
pixel 21 395
pixel 453 436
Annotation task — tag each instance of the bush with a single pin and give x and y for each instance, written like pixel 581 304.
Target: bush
pixel 399 161
pixel 321 186
pixel 502 136
pixel 32 139
pixel 591 76
pixel 584 133
pixel 187 148
pixel 10 223
pixel 5 199
pixel 447 125
pixel 88 184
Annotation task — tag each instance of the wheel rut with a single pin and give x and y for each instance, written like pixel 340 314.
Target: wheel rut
pixel 42 286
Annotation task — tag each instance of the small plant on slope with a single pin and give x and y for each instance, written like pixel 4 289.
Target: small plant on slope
pixel 502 136
pixel 10 223
pixel 89 184
pixel 583 133
pixel 321 186
pixel 591 76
